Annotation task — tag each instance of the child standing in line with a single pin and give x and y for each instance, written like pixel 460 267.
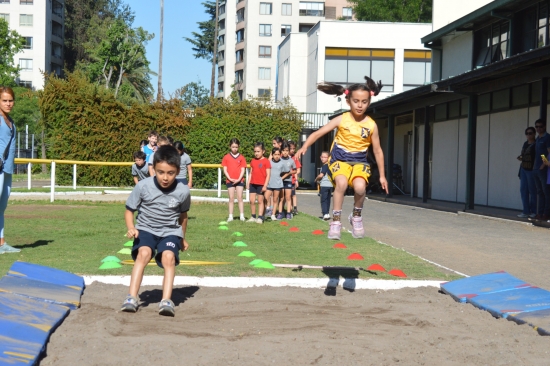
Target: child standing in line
pixel 295 184
pixel 325 186
pixel 289 168
pixel 142 145
pixel 160 229
pixel 186 172
pixel 348 164
pixel 162 141
pixel 234 165
pixel 275 184
pixel 140 170
pixel 260 171
pixel 151 147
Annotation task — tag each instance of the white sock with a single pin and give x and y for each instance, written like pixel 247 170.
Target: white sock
pixel 230 216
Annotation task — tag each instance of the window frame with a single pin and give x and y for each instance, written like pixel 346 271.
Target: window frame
pixel 283 5
pixel 26 46
pixel 26 61
pixel 266 71
pixel 266 34
pixel 347 17
pixel 264 55
pixel 6 17
pixel 285 27
pixel 264 5
pixel 304 11
pixel 30 16
pixel 26 2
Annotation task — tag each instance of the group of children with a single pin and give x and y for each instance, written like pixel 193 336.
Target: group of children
pixel 272 183
pixel 163 202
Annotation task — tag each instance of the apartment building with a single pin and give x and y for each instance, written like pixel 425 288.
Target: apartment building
pixel 42 24
pixel 247 63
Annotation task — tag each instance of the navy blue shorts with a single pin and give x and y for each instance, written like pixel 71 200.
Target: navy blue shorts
pixel 233 185
pixel 274 189
pixel 256 188
pixel 182 180
pixel 158 245
pixel 293 190
pixel 287 185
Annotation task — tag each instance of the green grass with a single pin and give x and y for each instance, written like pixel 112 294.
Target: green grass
pixel 76 236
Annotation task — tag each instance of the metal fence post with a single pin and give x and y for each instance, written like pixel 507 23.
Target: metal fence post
pixel 52 181
pixel 219 182
pixel 29 169
pixel 74 176
pixel 247 198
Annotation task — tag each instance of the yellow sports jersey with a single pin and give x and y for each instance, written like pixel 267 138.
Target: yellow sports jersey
pixel 352 140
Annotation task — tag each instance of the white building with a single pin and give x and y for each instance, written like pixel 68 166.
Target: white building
pixel 251 31
pixel 42 24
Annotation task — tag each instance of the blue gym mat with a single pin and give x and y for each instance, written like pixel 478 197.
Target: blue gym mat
pixel 502 304
pixel 46 274
pixel 20 343
pixel 49 292
pixel 465 288
pixel 540 320
pixel 40 314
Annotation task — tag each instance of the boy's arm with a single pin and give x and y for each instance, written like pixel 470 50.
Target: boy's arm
pixel 379 156
pixel 183 222
pixel 319 177
pixel 189 176
pixel 317 134
pixel 129 219
pixel 136 180
pixel 249 176
pixel 151 170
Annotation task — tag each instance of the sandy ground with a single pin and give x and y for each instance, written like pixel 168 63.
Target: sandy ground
pixel 290 326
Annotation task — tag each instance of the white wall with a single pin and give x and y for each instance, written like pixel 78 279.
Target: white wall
pixel 420 161
pixel 462 162
pixel 457 55
pixel 445 160
pixel 447 11
pixel 292 70
pixel 482 160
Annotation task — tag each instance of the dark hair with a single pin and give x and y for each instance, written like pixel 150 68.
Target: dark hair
pixel 334 89
pixel 163 140
pixel 143 143
pixel 234 141
pixel 7 90
pixel 180 147
pixel 260 145
pixel 167 154
pixel 292 143
pixel 279 139
pixel 285 145
pixel 274 150
pixel 153 133
pixel 139 155
pixel 530 129
pixel 170 139
pixel 541 121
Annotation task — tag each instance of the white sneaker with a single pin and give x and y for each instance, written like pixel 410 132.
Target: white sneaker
pixel 252 219
pixel 334 230
pixel 356 222
pixel 229 219
pixel 259 221
pixel 326 217
pixel 523 216
pixel 273 218
pixel 242 218
pixel 533 216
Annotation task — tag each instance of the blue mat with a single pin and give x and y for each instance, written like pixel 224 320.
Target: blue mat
pixel 540 320
pixel 46 274
pixel 20 343
pixel 489 283
pixel 502 304
pixel 56 294
pixel 40 314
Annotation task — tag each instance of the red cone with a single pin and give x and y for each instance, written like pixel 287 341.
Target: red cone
pixel 284 223
pixel 355 257
pixel 294 229
pixel 339 245
pixel 397 273
pixel 317 232
pixel 376 267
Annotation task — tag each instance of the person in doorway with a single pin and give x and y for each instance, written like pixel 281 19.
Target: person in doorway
pixel 527 188
pixel 542 148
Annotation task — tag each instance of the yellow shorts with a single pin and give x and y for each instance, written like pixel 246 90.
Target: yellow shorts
pixel 357 170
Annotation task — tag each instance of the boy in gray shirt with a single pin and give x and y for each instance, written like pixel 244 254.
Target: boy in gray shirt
pixel 140 170
pixel 325 186
pixel 161 224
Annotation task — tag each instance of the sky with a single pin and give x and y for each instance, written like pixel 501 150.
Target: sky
pixel 179 66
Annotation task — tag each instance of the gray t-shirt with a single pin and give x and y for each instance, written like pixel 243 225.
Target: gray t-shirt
pixel 275 180
pixel 159 209
pixel 325 182
pixel 140 172
pixel 184 162
pixel 288 164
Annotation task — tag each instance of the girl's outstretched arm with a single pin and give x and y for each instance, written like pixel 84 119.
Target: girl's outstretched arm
pixel 317 134
pixel 379 156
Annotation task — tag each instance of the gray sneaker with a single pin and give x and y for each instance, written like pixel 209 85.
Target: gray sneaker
pixel 130 304
pixel 8 249
pixel 166 308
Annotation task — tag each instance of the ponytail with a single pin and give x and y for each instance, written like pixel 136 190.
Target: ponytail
pixel 334 89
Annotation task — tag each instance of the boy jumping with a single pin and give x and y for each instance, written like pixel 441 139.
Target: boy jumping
pixel 161 224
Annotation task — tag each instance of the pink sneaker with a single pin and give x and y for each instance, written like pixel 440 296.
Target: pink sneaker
pixel 334 230
pixel 356 222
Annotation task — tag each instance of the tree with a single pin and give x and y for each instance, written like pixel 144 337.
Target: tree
pixel 159 92
pixel 10 44
pixel 412 11
pixel 193 95
pixel 203 41
pixel 214 51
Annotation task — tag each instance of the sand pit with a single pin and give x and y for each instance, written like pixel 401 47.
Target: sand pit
pixel 290 326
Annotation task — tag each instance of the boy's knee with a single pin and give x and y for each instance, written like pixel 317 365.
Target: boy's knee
pixel 144 254
pixel 168 258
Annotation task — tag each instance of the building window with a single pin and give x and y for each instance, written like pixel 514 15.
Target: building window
pixel 240 16
pixel 56 69
pixel 25 64
pixel 221 10
pixel 25 2
pixel 417 69
pixel 265 30
pixel 266 8
pixel 239 56
pixel 265 52
pixel 285 30
pixel 239 36
pixel 221 55
pixel 57 8
pixel 221 24
pixel 4 1
pixel 28 43
pixel 239 76
pixel 264 73
pixel 57 29
pixel 220 70
pixel 6 17
pixel 491 44
pixel 25 20
pixel 221 40
pixel 264 93
pixel 315 9
pixel 57 50
pixel 304 28
pixel 350 66
pixel 220 87
pixel 347 13
pixel 286 9
pixel 25 84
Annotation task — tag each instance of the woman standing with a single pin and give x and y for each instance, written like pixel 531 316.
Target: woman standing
pixel 527 185
pixel 7 154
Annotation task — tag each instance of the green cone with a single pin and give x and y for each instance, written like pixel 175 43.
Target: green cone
pixel 125 251
pixel 223 228
pixel 110 265
pixel 255 261
pixel 129 243
pixel 239 244
pixel 264 264
pixel 110 258
pixel 236 233
pixel 246 253
pixel 222 223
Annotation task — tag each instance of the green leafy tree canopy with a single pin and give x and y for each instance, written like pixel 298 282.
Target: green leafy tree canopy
pixel 203 41
pixel 193 95
pixel 10 44
pixel 409 11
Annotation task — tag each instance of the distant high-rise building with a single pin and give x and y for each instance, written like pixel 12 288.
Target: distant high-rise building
pixel 248 63
pixel 42 24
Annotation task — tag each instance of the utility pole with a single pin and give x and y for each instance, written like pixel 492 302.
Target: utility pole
pixel 215 52
pixel 159 91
